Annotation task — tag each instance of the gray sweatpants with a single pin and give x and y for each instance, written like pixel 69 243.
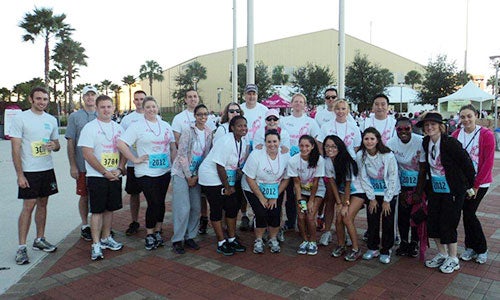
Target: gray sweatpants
pixel 186 208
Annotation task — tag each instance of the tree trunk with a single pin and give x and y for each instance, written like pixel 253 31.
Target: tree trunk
pixel 47 59
pixel 129 98
pixel 150 86
pixel 70 87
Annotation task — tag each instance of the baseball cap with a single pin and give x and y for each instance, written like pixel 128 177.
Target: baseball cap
pixel 272 112
pixel 89 88
pixel 251 88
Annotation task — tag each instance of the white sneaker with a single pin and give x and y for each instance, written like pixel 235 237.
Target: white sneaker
pixel 96 252
pixel 111 244
pixel 325 238
pixel 450 265
pixel 258 246
pixel 303 247
pixel 274 245
pixel 436 261
pixel 468 254
pixel 482 257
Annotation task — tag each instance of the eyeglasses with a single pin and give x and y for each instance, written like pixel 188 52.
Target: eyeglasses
pixel 272 119
pixel 403 128
pixel 330 97
pixel 232 111
pixel 202 114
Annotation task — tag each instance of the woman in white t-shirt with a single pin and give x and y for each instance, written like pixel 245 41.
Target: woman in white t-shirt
pixel 307 170
pixel 272 123
pixel 231 110
pixel 218 176
pixel 263 186
pixel 155 143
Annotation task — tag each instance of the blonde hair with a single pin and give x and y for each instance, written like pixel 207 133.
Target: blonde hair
pixel 442 126
pixel 299 95
pixel 343 101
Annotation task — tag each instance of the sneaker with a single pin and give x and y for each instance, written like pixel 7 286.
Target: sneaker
pixel 22 256
pixel 202 229
pixel 159 242
pixel 397 240
pixel 482 258
pixel 258 246
pixel 413 249
pixel 312 249
pixel 96 252
pixel 111 244
pixel 245 223
pixel 325 238
pixel 225 249
pixel 371 254
pixel 86 234
pixel 437 261
pixel 365 236
pixel 43 245
pixel 348 241
pixel 190 243
pixel 281 235
pixel 468 254
pixel 339 251
pixel 385 258
pixel 150 242
pixel 353 255
pixel 320 224
pixel 133 228
pixel 403 249
pixel 450 264
pixel 274 245
pixel 237 246
pixel 178 248
pixel 303 247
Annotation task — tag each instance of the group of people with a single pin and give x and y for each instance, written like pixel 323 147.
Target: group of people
pixel 328 165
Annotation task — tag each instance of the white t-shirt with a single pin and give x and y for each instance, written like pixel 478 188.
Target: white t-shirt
pixel 102 137
pixel 260 135
pixel 355 184
pixel 222 130
pixel 298 127
pixel 385 127
pixel 34 131
pixel 348 132
pixel 297 167
pixel 409 156
pixel 126 122
pixel 255 119
pixel 184 120
pixel 263 169
pixel 323 116
pixel 470 142
pixel 225 153
pixel 153 139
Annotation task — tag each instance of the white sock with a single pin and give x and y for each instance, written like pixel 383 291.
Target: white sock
pixel 85 226
pixel 220 243
pixel 21 246
pixel 231 239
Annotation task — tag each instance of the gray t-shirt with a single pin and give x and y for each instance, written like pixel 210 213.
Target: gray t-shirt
pixel 76 121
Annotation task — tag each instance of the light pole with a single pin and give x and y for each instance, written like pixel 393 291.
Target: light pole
pixel 496 63
pixel 219 91
pixel 400 97
pixel 195 81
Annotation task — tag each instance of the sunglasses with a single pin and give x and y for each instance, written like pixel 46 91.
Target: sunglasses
pixel 330 97
pixel 403 128
pixel 232 111
pixel 272 119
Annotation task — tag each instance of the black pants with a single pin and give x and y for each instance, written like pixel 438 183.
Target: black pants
pixel 387 227
pixel 155 190
pixel 404 216
pixel 443 216
pixel 290 206
pixel 474 235
pixel 265 217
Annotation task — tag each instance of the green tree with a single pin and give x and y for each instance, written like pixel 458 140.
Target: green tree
pixel 105 85
pixel 262 80
pixel 70 54
pixel 439 80
pixel 364 80
pixel 129 80
pixel 5 94
pixel 151 70
pixel 311 80
pixel 412 78
pixel 491 82
pixel 42 22
pixel 185 82
pixel 23 90
pixel 463 78
pixel 278 76
pixel 55 77
pixel 117 89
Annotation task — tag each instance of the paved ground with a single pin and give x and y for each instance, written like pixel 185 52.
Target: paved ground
pixel 134 273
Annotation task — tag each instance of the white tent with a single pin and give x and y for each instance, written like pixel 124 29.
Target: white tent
pixel 468 94
pixel 406 97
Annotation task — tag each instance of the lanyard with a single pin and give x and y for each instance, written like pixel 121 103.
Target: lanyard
pixel 239 152
pixel 468 144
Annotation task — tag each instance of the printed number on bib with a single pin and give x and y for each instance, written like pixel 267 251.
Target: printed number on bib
pixel 110 160
pixel 159 161
pixel 409 178
pixel 378 185
pixel 231 177
pixel 440 185
pixel 195 164
pixel 269 190
pixel 38 149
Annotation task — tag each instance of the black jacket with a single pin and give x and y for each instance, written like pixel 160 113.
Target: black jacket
pixel 458 167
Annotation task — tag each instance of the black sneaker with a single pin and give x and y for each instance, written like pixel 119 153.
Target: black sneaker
pixel 133 228
pixel 158 239
pixel 86 234
pixel 190 243
pixel 237 247
pixel 178 248
pixel 413 249
pixel 150 242
pixel 202 229
pixel 225 249
pixel 403 249
pixel 245 223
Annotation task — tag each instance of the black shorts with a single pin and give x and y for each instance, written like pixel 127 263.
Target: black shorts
pixel 132 186
pixel 42 184
pixel 218 203
pixel 104 195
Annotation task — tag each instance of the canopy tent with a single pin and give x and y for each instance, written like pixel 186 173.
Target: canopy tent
pixel 468 94
pixel 275 101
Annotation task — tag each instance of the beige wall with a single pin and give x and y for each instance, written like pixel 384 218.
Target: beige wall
pixel 317 48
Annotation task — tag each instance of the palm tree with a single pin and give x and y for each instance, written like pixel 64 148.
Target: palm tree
pixel 117 89
pixel 43 22
pixel 69 54
pixel 413 77
pixel 151 70
pixel 55 77
pixel 105 84
pixel 129 80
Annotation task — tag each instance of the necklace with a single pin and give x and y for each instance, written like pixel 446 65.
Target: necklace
pixel 271 166
pixel 159 128
pixel 104 132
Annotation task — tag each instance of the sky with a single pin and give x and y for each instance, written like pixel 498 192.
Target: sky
pixel 119 36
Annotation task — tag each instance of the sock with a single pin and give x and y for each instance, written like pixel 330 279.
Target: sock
pixel 321 216
pixel 38 239
pixel 85 226
pixel 220 243
pixel 231 239
pixel 21 246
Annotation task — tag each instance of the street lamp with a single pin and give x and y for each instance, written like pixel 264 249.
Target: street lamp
pixel 401 97
pixel 219 91
pixel 195 81
pixel 496 63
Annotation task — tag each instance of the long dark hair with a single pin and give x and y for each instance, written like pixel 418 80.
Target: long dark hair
pixel 345 166
pixel 312 162
pixel 225 117
pixel 380 145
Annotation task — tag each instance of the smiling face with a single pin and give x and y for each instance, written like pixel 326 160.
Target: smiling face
pixel 341 110
pixel 272 143
pixel 150 110
pixel 370 142
pixel 298 104
pixel 330 97
pixel 468 119
pixel 138 99
pixel 431 128
pixel 191 100
pixel 232 111
pixel 272 122
pixel 39 101
pixel 305 148
pixel 240 128
pixel 89 100
pixel 105 109
pixel 331 149
pixel 380 108
pixel 403 130
pixel 251 99
pixel 201 116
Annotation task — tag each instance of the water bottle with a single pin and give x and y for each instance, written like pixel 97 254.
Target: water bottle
pixel 303 206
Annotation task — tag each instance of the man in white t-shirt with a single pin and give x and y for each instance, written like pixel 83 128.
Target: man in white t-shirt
pixel 105 168
pixel 132 187
pixel 34 136
pixel 325 115
pixel 384 123
pixel 255 114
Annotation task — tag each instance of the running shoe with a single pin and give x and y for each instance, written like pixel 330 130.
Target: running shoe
pixel 159 242
pixel 96 252
pixel 202 229
pixel 468 254
pixel 190 243
pixel 353 255
pixel 436 261
pixel 111 244
pixel 402 249
pixel 225 249
pixel 43 245
pixel 303 247
pixel 150 242
pixel 413 249
pixel 22 256
pixel 86 234
pixel 237 246
pixel 281 235
pixel 274 245
pixel 338 251
pixel 133 228
pixel 450 265
pixel 258 246
pixel 482 258
pixel 178 248
pixel 312 249
pixel 371 254
pixel 325 238
pixel 385 258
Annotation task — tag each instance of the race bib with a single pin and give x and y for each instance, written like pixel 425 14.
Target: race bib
pixel 231 177
pixel 195 164
pixel 294 150
pixel 110 160
pixel 440 185
pixel 159 161
pixel 408 178
pixel 306 186
pixel 38 149
pixel 378 185
pixel 269 190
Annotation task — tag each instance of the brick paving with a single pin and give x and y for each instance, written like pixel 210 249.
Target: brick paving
pixel 134 273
